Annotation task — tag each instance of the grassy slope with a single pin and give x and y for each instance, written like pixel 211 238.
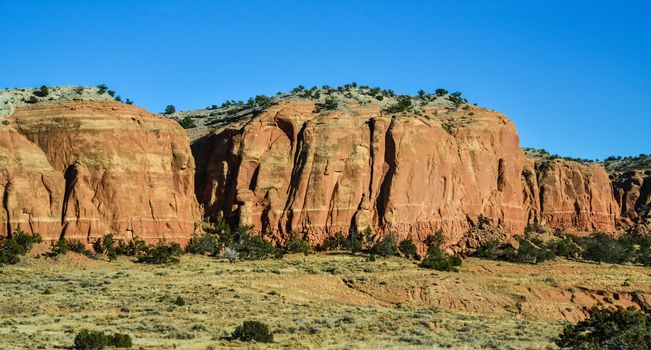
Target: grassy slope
pixel 319 301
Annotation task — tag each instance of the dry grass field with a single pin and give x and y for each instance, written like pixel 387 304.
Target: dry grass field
pixel 329 301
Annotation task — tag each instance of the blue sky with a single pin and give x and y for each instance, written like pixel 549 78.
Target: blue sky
pixel 574 76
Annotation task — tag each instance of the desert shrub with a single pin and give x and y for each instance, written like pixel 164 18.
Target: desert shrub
pixel 161 253
pixel 253 331
pixel 421 93
pixel 32 99
pixel 90 340
pixel 440 261
pixel 231 254
pixel 96 340
pixel 338 241
pixel 20 243
pixel 354 242
pixel 134 247
pixel 187 122
pixel 179 301
pixel 528 252
pixel 609 328
pixel 329 104
pixel 102 88
pixel 441 92
pixel 403 104
pixel 42 91
pixel 106 245
pixel 254 247
pixel 169 109
pixel 565 247
pixel 408 249
pixel 120 340
pixel 63 246
pixel 436 258
pixel 204 244
pixel 601 247
pixel 387 246
pixel 296 244
pixel 262 101
pixel 111 93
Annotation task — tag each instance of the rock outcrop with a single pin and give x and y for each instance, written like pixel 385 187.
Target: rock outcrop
pixel 576 197
pixel 289 168
pixel 82 169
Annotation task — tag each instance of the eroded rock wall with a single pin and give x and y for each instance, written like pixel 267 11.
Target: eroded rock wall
pixel 576 197
pixel 116 169
pixel 290 169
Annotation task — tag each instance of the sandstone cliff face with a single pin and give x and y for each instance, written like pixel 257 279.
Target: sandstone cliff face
pixel 109 168
pixel 576 197
pixel 632 191
pixel 30 189
pixel 289 169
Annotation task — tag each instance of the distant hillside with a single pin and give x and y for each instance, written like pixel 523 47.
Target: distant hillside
pixel 613 164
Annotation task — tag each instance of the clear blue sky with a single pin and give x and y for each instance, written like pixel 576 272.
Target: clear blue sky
pixel 574 76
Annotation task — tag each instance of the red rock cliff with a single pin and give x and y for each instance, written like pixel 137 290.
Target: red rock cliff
pixel 289 169
pixel 83 169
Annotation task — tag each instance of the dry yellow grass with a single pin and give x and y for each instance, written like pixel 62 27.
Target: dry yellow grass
pixel 329 301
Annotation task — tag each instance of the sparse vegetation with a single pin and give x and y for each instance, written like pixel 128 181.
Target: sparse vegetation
pixel 42 91
pixel 296 244
pixel 161 253
pixel 97 340
pixel 20 243
pixel 609 329
pixel 63 246
pixel 436 258
pixel 253 331
pixel 403 105
pixel 329 104
pixel 187 122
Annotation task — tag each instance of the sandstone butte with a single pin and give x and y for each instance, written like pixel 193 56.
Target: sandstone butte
pixel 82 169
pixel 289 168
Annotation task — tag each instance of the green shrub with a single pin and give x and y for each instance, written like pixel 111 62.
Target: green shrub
pixel 134 247
pixel 403 104
pixel 408 249
pixel 609 328
pixel 338 241
pixel 354 242
pixel 63 246
pixel 42 91
pixel 179 301
pixel 601 247
pixel 253 331
pixel 169 109
pixel 90 340
pixel 329 104
pixel 102 88
pixel 106 245
pixel 440 261
pixel 387 246
pixel 120 340
pixel 187 122
pixel 161 253
pixel 254 247
pixel 20 243
pixel 96 340
pixel 204 244
pixel 296 244
pixel 441 92
pixel 436 258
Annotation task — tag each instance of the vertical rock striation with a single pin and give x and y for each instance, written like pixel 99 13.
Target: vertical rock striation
pixel 110 168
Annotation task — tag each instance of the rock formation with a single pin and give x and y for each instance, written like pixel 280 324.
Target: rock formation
pixel 437 166
pixel 576 197
pixel 82 169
